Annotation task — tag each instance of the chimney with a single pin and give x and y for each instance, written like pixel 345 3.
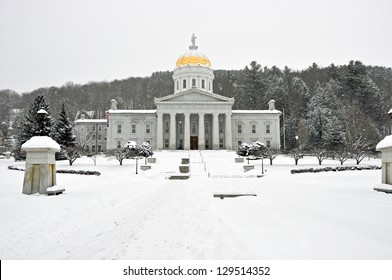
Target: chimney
pixel 114 105
pixel 271 105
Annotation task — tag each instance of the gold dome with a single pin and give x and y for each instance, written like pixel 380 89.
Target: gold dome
pixel 193 57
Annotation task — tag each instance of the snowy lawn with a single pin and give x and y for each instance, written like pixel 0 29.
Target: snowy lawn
pixel 123 215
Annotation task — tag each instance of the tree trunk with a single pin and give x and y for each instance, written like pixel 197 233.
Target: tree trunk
pixel 271 161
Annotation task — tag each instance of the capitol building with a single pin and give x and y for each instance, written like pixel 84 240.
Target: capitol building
pixel 192 118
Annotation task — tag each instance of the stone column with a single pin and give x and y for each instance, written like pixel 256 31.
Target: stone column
pixel 215 131
pixel 160 131
pixel 187 131
pixel 201 132
pixel 172 136
pixel 228 139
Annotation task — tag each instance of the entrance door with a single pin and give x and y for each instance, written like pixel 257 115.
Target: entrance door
pixel 194 143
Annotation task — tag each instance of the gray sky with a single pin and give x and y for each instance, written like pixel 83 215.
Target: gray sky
pixel 50 42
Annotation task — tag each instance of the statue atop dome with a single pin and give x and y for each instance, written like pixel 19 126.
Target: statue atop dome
pixel 193 40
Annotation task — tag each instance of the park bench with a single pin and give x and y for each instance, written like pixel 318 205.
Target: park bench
pixel 383 190
pixel 54 191
pixel 223 195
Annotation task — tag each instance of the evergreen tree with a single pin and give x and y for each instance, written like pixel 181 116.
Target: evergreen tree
pixel 34 124
pixel 251 92
pixel 63 133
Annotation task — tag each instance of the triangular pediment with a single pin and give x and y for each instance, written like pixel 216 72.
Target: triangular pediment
pixel 194 95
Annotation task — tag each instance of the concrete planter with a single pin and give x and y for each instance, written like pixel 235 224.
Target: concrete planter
pixel 184 168
pixel 145 167
pixel 249 167
pixel 239 160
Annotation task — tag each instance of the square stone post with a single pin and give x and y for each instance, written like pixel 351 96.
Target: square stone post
pixel 215 131
pixel 172 136
pixel 201 132
pixel 187 131
pixel 40 172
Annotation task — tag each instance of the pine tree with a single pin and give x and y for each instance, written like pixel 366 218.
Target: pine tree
pixel 63 133
pixel 33 124
pixel 251 92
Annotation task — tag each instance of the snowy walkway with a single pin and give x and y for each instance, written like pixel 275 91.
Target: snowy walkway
pixel 121 215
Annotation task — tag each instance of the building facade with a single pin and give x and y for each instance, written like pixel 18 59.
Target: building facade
pixel 91 134
pixel 193 117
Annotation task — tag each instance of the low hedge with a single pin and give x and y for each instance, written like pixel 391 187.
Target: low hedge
pixel 77 172
pixel 334 169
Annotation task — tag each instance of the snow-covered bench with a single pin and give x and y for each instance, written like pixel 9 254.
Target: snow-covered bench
pixel 383 190
pixel 54 191
pixel 223 195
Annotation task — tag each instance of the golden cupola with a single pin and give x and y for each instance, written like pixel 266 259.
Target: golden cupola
pixel 193 70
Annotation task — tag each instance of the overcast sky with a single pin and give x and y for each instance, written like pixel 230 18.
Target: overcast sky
pixel 50 42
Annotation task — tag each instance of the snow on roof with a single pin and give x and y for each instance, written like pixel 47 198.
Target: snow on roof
pixel 384 143
pixel 91 121
pixel 256 112
pixel 132 111
pixel 41 142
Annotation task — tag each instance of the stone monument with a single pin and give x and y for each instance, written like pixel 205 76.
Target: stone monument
pixel 385 147
pixel 40 173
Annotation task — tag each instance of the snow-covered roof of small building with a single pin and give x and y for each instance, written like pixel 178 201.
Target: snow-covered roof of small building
pixel 91 121
pixel 256 112
pixel 384 143
pixel 41 142
pixel 132 111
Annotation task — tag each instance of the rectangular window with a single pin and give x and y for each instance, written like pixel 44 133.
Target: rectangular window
pixel 166 143
pixel 203 84
pixel 206 127
pixel 239 143
pixel 183 83
pixel 207 142
pixel 269 144
pixel 119 128
pixel 99 148
pixel 133 129
pixel 118 144
pixel 99 137
pixel 193 128
pixel 220 143
pixel 148 141
pixel 93 136
pixel 220 127
pixel 93 148
pixel 193 82
pixel 239 128
pixel 267 128
pixel 180 127
pixel 93 128
pixel 253 128
pixel 166 126
pixel 148 128
pixel 99 128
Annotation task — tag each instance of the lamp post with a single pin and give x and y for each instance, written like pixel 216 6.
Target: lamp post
pixel 41 118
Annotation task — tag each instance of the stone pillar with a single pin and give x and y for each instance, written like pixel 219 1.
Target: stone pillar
pixel 159 131
pixel 228 137
pixel 385 147
pixel 40 172
pixel 172 136
pixel 187 131
pixel 215 131
pixel 201 140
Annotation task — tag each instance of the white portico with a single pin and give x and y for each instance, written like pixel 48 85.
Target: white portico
pixel 193 117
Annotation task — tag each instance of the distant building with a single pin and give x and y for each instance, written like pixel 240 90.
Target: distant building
pixel 91 134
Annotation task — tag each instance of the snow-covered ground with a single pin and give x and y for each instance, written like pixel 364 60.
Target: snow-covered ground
pixel 123 215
